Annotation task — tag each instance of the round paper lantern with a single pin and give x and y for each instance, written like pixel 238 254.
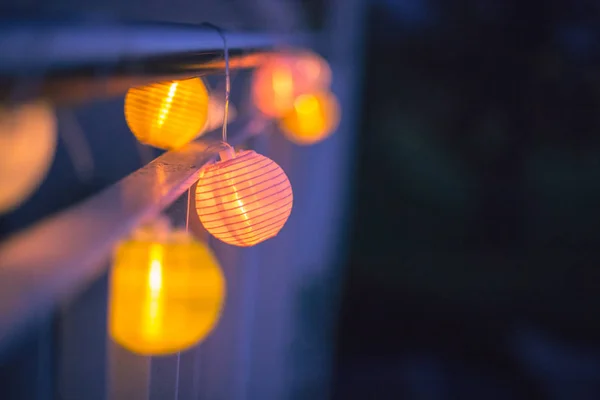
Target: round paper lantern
pixel 166 293
pixel 167 115
pixel 282 78
pixel 244 199
pixel 28 140
pixel 313 118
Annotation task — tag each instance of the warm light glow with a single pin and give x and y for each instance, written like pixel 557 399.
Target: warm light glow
pixel 313 118
pixel 283 77
pixel 28 140
pixel 167 115
pixel 155 284
pixel 165 107
pixel 283 83
pixel 166 295
pixel 244 200
pixel 155 275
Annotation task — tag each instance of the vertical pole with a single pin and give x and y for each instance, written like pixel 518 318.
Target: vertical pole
pixel 129 375
pixel 81 344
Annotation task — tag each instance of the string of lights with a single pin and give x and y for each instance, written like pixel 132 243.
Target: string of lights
pixel 161 276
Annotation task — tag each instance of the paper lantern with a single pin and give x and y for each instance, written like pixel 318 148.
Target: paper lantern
pixel 313 118
pixel 167 115
pixel 282 78
pixel 28 138
pixel 166 293
pixel 244 199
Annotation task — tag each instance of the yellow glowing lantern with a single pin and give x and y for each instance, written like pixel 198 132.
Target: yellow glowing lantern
pixel 166 292
pixel 28 140
pixel 167 115
pixel 282 78
pixel 244 199
pixel 313 118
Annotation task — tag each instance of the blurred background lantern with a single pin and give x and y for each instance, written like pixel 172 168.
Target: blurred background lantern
pixel 244 199
pixel 167 291
pixel 28 137
pixel 283 77
pixel 167 115
pixel 313 118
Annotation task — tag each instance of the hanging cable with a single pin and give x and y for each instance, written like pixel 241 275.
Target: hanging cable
pixel 227 78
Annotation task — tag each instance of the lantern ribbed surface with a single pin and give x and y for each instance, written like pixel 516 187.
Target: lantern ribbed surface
pixel 169 114
pixel 244 200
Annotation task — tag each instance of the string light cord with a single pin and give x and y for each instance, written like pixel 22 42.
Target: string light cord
pixel 227 77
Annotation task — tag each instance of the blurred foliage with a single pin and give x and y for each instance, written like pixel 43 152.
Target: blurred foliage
pixel 494 109
pixel 479 180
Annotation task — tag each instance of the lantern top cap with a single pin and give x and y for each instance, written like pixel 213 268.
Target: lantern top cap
pixel 236 157
pixel 160 230
pixel 156 229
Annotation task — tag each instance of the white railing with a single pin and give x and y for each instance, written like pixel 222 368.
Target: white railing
pixel 59 255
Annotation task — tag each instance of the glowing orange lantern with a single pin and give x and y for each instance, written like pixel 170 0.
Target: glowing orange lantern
pixel 282 78
pixel 313 118
pixel 167 115
pixel 166 292
pixel 28 140
pixel 244 199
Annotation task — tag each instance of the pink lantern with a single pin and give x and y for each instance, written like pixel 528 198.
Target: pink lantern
pixel 284 77
pixel 244 199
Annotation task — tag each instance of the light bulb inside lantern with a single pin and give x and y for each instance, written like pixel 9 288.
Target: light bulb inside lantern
pixel 28 138
pixel 244 199
pixel 314 117
pixel 166 293
pixel 283 77
pixel 169 114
